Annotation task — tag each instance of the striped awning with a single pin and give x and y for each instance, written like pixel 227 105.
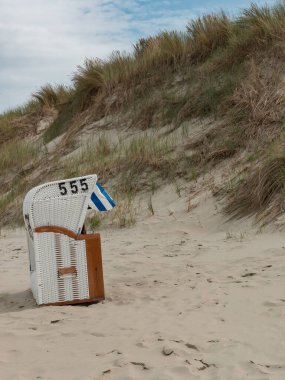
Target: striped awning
pixel 100 200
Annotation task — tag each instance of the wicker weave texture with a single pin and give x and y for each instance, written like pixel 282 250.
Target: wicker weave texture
pixel 54 252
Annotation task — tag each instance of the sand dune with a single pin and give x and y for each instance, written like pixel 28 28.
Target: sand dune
pixel 188 297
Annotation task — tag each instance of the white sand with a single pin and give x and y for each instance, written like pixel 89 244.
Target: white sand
pixel 174 283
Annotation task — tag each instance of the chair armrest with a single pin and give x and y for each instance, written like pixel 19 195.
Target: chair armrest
pixel 65 231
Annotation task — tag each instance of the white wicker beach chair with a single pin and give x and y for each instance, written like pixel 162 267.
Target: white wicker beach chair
pixel 65 265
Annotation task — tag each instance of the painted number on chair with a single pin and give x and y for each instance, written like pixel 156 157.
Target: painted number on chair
pixel 73 186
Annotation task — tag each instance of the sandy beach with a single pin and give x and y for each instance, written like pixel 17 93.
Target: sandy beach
pixel 178 110
pixel 188 296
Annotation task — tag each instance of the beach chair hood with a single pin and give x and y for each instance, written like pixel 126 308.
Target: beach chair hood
pixel 64 203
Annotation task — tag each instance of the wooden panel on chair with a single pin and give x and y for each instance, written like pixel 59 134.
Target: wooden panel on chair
pixel 94 267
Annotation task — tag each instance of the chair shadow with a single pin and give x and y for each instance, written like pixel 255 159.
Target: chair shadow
pixel 15 302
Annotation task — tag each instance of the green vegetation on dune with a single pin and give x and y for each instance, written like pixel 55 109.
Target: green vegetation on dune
pixel 227 69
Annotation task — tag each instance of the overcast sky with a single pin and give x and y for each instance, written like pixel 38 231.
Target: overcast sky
pixel 42 41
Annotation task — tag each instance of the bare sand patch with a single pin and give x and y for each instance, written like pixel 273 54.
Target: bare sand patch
pixel 188 296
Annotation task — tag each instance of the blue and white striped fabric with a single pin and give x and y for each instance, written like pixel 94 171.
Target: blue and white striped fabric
pixel 100 200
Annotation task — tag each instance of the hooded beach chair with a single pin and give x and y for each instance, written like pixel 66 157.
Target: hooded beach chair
pixel 65 264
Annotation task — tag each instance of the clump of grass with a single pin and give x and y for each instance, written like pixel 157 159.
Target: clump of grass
pixel 126 70
pixel 13 113
pixel 171 105
pixel 104 146
pixel 143 115
pixel 150 205
pixel 208 33
pixel 61 123
pixel 260 99
pixel 123 215
pixel 261 193
pixel 220 154
pixel 94 222
pixel 16 154
pixel 165 49
pixel 168 48
pixel 208 95
pixel 262 24
pixel 88 81
pixel 5 199
pixel 102 156
pixel 120 69
pixel 11 202
pixel 141 155
pixel 257 28
pixel 10 117
pixel 6 126
pixel 52 96
pixel 144 159
pixel 146 151
pixel 214 92
pixel 129 161
pixel 225 145
pixel 125 212
pixel 98 155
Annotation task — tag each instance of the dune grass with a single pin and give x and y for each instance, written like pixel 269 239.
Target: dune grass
pixel 19 111
pixel 259 189
pixel 53 96
pixel 11 200
pixel 255 27
pixel 61 123
pixel 214 37
pixel 9 117
pixel 16 154
pixel 123 159
pixel 260 193
pixel 230 68
pixel 17 158
pixel 208 33
pixel 124 163
pixel 259 101
pixel 212 56
pixel 122 216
